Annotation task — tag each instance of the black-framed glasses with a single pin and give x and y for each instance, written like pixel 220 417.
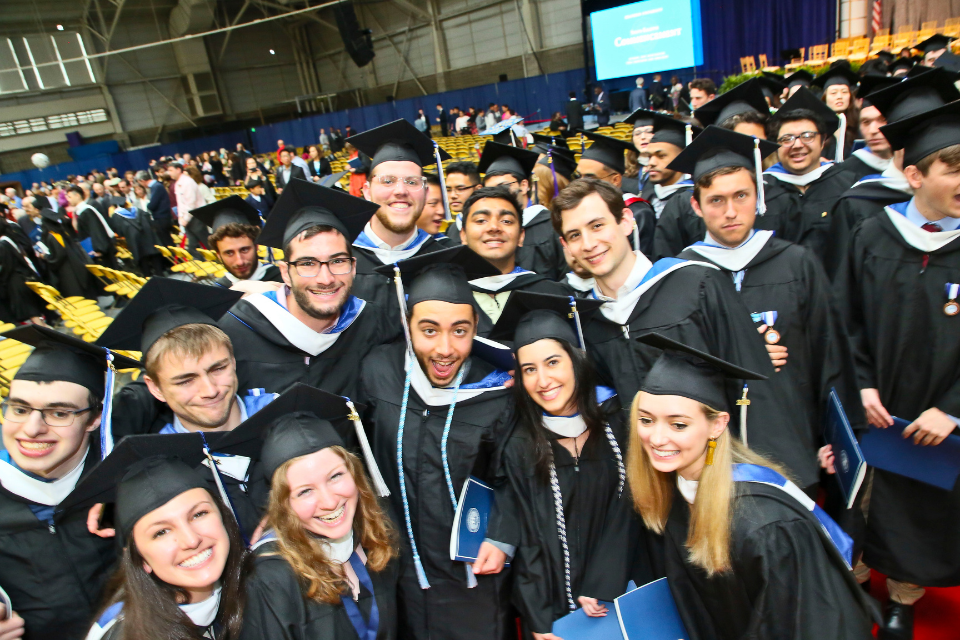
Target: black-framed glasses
pixel 414 183
pixel 53 417
pixel 577 175
pixel 462 189
pixel 310 267
pixel 806 138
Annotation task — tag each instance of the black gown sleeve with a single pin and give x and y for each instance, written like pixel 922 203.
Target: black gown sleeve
pixel 849 295
pixel 275 607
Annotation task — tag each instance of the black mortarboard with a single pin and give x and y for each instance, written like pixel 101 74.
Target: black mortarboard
pixel 504 158
pixel 920 93
pixel 905 64
pixel 925 133
pixel 836 75
pixel 543 143
pixel 223 212
pixel 800 78
pixel 885 56
pixel 717 147
pixel 872 83
pixel 528 317
pixel 304 204
pixel 331 180
pixel 803 98
pixel 563 161
pixel 641 118
pixel 142 473
pixel 934 43
pixel 771 84
pixel 441 275
pixel 51 215
pixel 743 98
pixel 690 373
pixel 58 356
pixel 396 141
pixel 948 61
pixel 607 151
pixel 671 130
pixel 506 137
pixel 164 304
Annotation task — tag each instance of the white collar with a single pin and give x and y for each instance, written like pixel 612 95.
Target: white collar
pixel 688 488
pixel 530 213
pixel 580 284
pixel 918 238
pixel 257 275
pixel 896 179
pixel 383 245
pixel 339 550
pixel 799 181
pixel 872 160
pixel 434 396
pixel 203 613
pixel 49 494
pixel 565 426
pixel 301 336
pixel 665 191
pixel 390 255
pixel 733 258
pixel 495 283
pixel 640 268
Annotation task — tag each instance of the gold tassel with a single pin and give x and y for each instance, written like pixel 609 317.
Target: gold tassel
pixel 711 446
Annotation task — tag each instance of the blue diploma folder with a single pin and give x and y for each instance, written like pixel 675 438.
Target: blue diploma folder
pixel 848 459
pixel 499 355
pixel 87 245
pixel 887 449
pixel 470 520
pixel 579 626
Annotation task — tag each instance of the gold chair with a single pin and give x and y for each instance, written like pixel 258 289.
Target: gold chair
pixel 818 55
pixel 860 49
pixel 881 42
pixel 747 64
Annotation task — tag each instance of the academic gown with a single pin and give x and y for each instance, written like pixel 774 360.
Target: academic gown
pixel 89 226
pixel 17 301
pixel 448 609
pixel 270 274
pixel 139 234
pixel 377 288
pixel 646 221
pixel 597 518
pixel 277 608
pixel 53 572
pixel 541 252
pixel 907 349
pixel 266 359
pixel 525 282
pixel 696 305
pixel 786 581
pixel 788 279
pixel 679 226
pixel 67 262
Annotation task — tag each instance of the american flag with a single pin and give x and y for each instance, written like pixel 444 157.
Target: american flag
pixel 877 19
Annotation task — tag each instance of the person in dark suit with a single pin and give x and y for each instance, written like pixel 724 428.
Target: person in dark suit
pixel 574 112
pixel 158 205
pixel 638 97
pixel 257 198
pixel 601 106
pixel 287 171
pixel 318 164
pixel 242 155
pixel 442 120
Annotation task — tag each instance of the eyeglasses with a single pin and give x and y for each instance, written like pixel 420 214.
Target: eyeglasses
pixel 19 413
pixel 462 189
pixel 806 138
pixel 508 185
pixel 577 175
pixel 414 183
pixel 310 268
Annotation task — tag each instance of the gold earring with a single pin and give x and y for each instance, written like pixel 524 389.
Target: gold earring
pixel 711 446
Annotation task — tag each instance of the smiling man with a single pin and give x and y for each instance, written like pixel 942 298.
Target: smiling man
pixel 443 411
pixel 52 569
pixel 236 226
pixel 433 214
pixel 313 329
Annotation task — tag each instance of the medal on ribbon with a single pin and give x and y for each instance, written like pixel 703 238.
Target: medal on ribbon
pixel 952 307
pixel 772 336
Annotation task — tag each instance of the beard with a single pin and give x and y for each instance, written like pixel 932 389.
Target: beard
pixel 321 312
pixel 393 227
pixel 245 274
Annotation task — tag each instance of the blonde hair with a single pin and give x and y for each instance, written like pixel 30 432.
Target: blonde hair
pixel 708 537
pixel 325 583
pixel 186 340
pixel 545 183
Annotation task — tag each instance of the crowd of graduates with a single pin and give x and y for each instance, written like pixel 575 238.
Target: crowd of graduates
pixel 634 348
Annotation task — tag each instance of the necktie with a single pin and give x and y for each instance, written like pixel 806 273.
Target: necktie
pixel 932 227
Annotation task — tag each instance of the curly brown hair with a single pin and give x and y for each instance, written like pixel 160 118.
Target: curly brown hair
pixel 233 230
pixel 325 583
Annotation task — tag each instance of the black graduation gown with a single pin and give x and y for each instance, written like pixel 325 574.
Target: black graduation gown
pixel 856 204
pixel 277 608
pixel 89 226
pixel 695 305
pixel 907 349
pixel 679 225
pixel 267 360
pixel 786 278
pixel 786 581
pixel 646 221
pixel 271 274
pixel 66 264
pixel 448 609
pixel 542 252
pixel 377 288
pixel 139 234
pixel 53 573
pixel 527 282
pixel 17 301
pixel 596 516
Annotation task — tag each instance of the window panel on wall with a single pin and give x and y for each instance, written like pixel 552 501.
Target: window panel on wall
pixel 11 73
pixel 47 69
pixel 560 23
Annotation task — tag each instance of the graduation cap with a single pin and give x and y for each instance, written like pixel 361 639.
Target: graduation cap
pixel 803 98
pixel 923 92
pixel 607 151
pixel 227 211
pixel 506 159
pixel 641 118
pixel 771 84
pixel 304 204
pixel 673 131
pixel 164 304
pixel 948 61
pixel 506 137
pixel 925 133
pixel 934 43
pixel 744 98
pixel 717 147
pixel 49 214
pixel 901 64
pixel 543 143
pixel 690 373
pixel 143 473
pixel 799 78
pixel 791 54
pixel 332 180
pixel 885 56
pixel 528 317
pixel 441 275
pixel 561 161
pixel 841 74
pixel 871 83
pixel 397 141
pixel 300 421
